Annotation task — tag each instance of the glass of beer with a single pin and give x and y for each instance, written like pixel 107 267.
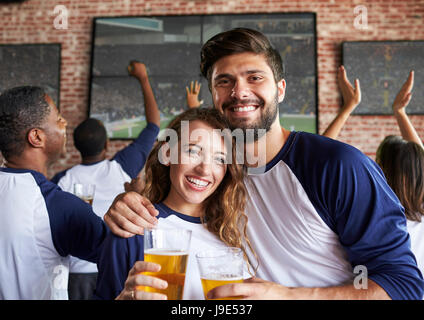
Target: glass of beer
pixel 169 248
pixel 85 192
pixel 219 267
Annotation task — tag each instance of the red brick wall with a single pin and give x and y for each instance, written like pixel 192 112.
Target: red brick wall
pixel 32 22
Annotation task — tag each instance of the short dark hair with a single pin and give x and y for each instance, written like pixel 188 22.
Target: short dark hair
pixel 21 109
pixel 90 137
pixel 235 41
pixel 403 165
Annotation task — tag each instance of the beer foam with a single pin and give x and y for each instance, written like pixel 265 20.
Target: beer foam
pixel 165 252
pixel 222 277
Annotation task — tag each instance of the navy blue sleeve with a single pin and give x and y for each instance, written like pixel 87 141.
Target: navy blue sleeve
pixel 76 229
pixel 352 196
pixel 58 176
pixel 117 257
pixel 133 157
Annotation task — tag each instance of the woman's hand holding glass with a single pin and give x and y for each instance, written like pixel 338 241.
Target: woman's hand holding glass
pixel 136 279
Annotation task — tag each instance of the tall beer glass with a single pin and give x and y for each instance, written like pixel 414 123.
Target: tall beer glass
pixel 169 248
pixel 219 267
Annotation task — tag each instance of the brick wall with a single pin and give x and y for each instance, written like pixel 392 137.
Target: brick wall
pixel 32 22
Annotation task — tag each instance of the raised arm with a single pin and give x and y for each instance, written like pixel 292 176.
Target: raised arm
pixel 133 157
pixel 138 70
pixel 193 95
pixel 351 98
pixel 401 101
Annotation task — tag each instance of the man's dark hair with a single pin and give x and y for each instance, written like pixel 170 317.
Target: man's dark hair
pixel 90 137
pixel 235 41
pixel 21 109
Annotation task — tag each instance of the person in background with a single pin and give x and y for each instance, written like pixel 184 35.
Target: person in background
pixel 203 191
pixel 402 99
pixel 193 95
pixel 351 99
pixel 400 158
pixel 403 165
pixel 108 176
pixel 40 225
pixel 318 208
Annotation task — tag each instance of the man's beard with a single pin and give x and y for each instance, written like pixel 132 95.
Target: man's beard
pixel 261 126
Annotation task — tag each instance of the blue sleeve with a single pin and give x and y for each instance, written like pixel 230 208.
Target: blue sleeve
pixel 76 229
pixel 117 257
pixel 58 176
pixel 352 196
pixel 371 225
pixel 133 157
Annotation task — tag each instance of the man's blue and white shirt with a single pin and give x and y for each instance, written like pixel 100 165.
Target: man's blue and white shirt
pixel 40 225
pixel 319 209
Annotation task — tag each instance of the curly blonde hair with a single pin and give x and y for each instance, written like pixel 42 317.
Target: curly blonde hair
pixel 224 208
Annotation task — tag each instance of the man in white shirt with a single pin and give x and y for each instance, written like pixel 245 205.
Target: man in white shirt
pixel 317 208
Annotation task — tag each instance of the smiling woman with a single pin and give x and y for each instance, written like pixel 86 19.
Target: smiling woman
pixel 199 171
pixel 205 182
pixel 202 191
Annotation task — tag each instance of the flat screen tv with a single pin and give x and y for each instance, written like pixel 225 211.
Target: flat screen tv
pixel 31 65
pixel 170 48
pixel 382 67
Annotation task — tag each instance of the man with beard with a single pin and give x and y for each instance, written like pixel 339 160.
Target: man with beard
pixel 40 225
pixel 322 219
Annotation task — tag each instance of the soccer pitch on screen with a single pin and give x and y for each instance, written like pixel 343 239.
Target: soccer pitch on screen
pixel 130 129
